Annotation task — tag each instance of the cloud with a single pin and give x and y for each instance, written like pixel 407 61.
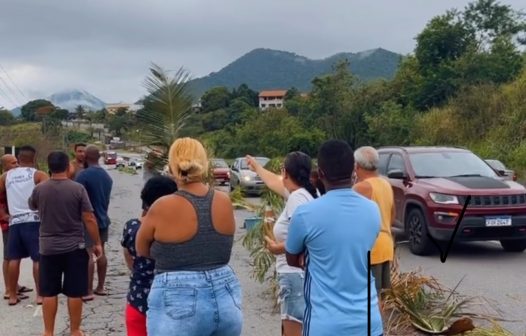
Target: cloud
pixel 105 47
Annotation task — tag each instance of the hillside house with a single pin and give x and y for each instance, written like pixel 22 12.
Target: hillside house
pixel 271 99
pixel 113 108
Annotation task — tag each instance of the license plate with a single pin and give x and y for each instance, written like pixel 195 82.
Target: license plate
pixel 498 221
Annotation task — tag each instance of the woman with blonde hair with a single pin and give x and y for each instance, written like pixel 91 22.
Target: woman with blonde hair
pixel 190 235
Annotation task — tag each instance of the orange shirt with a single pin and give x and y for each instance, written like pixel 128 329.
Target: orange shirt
pixel 382 194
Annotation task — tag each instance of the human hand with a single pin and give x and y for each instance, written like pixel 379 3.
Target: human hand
pixel 4 217
pixel 272 246
pixel 97 251
pixel 252 163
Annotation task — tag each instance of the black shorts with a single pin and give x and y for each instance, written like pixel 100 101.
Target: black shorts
pixel 382 276
pixel 103 234
pixel 23 241
pixel 73 266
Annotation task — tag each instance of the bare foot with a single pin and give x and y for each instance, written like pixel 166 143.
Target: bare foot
pixel 77 333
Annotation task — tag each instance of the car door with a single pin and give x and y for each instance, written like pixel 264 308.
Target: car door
pixel 234 175
pixel 396 162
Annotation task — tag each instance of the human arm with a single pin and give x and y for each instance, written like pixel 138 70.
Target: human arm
pixel 129 232
pixel 364 189
pixel 145 235
pixel 33 200
pixel 3 199
pixel 90 222
pixel 40 177
pixel 296 239
pixel 273 181
pixel 128 258
pixel 275 247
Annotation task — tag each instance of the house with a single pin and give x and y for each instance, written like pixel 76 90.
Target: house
pixel 113 108
pixel 271 99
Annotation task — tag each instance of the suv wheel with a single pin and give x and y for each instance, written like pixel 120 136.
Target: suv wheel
pixel 516 245
pixel 416 226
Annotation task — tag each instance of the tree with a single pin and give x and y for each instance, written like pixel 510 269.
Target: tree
pixel 6 118
pixel 251 97
pixel 166 109
pixel 59 114
pixel 215 99
pixel 35 110
pixel 79 110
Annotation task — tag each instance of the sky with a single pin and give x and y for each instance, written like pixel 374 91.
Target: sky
pixel 106 46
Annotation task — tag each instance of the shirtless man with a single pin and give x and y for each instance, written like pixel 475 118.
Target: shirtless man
pixel 18 184
pixel 77 164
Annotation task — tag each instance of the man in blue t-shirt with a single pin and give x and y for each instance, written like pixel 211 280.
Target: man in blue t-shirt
pixel 335 232
pixel 98 184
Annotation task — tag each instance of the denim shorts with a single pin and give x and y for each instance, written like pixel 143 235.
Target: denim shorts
pixel 291 297
pixel 195 303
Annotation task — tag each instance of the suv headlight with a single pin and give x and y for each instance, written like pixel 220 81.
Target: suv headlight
pixel 246 178
pixel 443 198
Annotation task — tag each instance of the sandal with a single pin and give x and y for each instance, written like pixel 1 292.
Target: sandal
pixel 15 303
pixel 24 289
pixel 101 293
pixel 20 296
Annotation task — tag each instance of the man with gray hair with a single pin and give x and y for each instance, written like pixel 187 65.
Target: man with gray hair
pixel 370 184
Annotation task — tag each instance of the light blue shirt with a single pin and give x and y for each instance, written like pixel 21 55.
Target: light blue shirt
pixel 336 231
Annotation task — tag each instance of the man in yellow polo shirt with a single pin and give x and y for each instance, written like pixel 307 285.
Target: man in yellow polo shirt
pixel 370 184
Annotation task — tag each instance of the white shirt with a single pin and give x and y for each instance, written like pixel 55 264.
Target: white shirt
pixel 281 227
pixel 20 183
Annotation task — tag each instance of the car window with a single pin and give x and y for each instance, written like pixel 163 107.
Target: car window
pixel 396 163
pixel 449 164
pixel 382 163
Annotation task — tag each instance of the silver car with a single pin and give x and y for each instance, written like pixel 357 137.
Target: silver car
pixel 501 169
pixel 242 176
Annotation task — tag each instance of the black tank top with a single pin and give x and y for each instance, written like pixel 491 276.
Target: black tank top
pixel 207 250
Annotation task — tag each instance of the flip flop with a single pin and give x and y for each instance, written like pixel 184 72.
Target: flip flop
pixel 20 296
pixel 24 289
pixel 14 303
pixel 88 298
pixel 101 293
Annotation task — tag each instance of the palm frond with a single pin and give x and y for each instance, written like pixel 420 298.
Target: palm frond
pixel 166 108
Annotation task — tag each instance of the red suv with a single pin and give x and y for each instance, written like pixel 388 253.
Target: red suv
pixel 431 185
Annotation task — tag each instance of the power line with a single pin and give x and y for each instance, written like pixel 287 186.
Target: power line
pixel 3 93
pixel 13 82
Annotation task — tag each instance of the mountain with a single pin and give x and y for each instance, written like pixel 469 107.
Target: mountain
pixel 69 100
pixel 273 69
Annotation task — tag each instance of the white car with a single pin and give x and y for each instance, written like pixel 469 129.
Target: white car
pixel 137 164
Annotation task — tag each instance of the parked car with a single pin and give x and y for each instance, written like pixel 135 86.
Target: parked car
pixel 120 162
pixel 500 168
pixel 431 185
pixel 137 164
pixel 242 176
pixel 110 158
pixel 221 171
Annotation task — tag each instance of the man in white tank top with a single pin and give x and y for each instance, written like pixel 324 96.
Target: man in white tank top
pixel 18 185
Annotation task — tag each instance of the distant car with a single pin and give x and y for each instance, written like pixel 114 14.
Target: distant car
pixel 242 176
pixel 120 162
pixel 110 158
pixel 501 169
pixel 137 164
pixel 221 171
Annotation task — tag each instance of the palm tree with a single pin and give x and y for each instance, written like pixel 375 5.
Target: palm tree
pixel 166 109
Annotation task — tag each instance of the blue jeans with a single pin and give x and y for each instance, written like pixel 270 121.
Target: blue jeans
pixel 291 298
pixel 204 303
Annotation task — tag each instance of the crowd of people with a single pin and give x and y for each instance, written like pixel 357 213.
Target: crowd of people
pixel 332 239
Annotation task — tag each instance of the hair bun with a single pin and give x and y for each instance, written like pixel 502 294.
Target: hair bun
pixel 188 166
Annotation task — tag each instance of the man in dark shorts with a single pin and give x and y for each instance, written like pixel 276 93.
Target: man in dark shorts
pixel 64 209
pixel 98 184
pixel 8 162
pixel 18 184
pixel 77 164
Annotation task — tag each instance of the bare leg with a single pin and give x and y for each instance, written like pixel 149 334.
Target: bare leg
pixel 75 315
pixel 5 271
pixel 49 311
pixel 13 274
pixel 37 285
pixel 292 328
pixel 102 267
pixel 91 273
